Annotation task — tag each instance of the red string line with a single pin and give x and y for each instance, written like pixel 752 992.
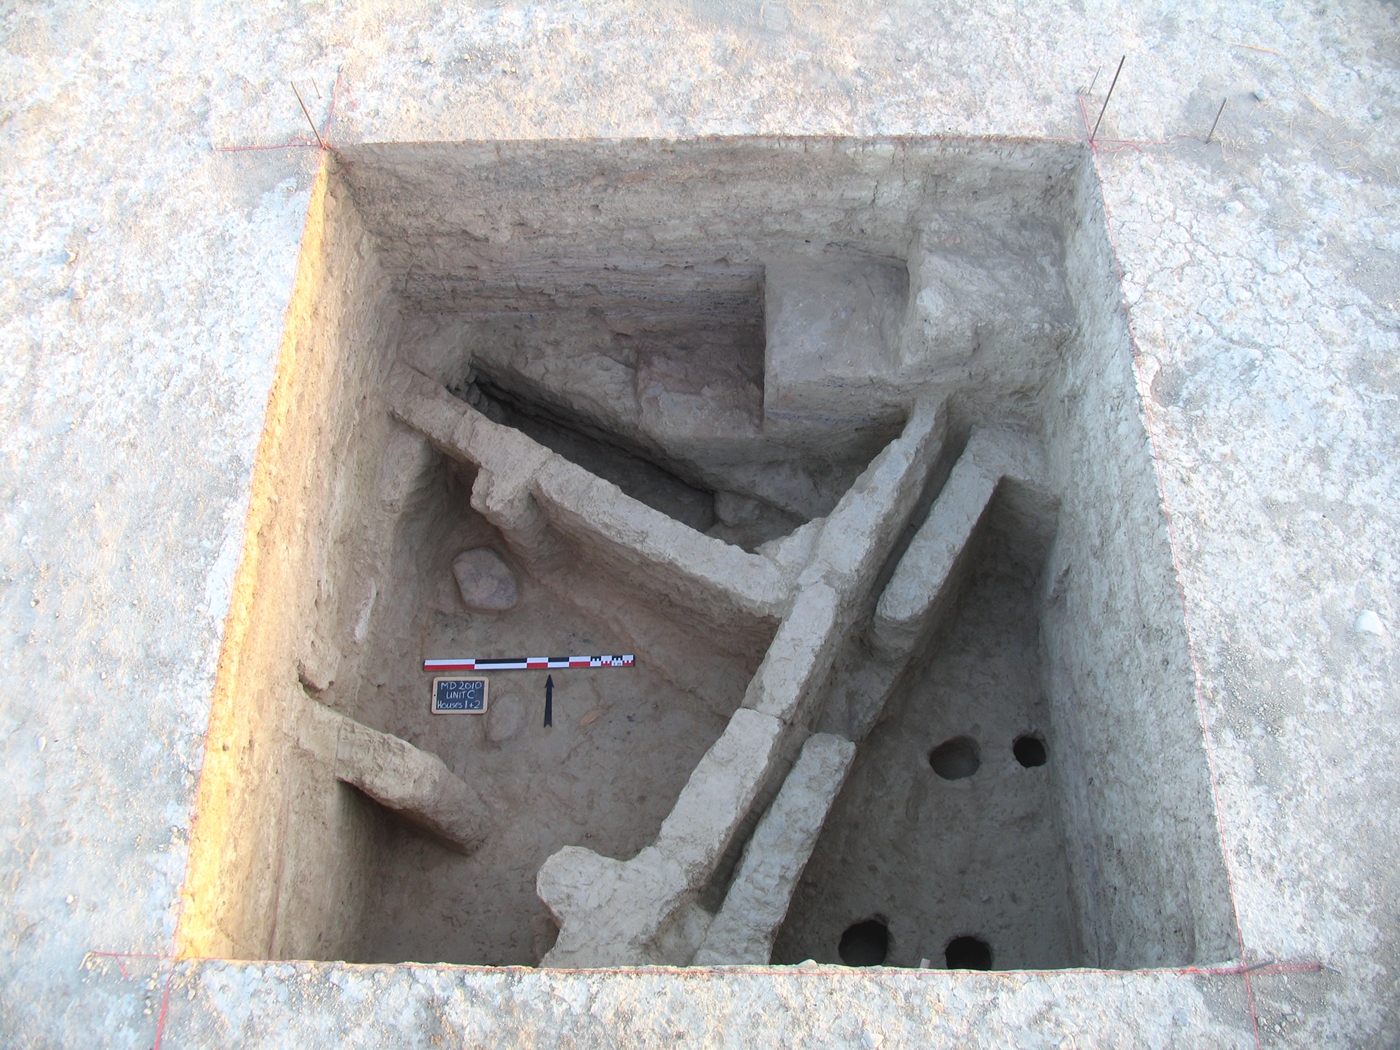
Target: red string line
pixel 300 141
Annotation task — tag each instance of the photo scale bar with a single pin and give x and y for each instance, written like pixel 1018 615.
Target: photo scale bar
pixel 529 663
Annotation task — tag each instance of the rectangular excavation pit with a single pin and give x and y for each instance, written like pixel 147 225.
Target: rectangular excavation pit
pixel 769 346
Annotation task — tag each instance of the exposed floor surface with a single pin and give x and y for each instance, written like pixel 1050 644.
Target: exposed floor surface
pixel 977 851
pixel 605 774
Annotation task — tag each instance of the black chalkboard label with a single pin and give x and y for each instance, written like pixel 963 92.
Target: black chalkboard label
pixel 459 696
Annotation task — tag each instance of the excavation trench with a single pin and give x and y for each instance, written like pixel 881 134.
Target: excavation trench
pixel 840 441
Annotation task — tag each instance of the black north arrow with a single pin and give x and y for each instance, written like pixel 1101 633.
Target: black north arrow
pixel 548 700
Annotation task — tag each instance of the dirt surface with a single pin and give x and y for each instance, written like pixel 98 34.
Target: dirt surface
pixel 145 285
pixel 604 775
pixel 981 855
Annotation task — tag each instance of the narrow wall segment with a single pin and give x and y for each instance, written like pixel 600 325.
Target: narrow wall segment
pixel 743 930
pixel 530 493
pixel 719 793
pixel 832 587
pixel 623 921
pixel 415 783
pixel 927 574
pixel 927 578
pixel 598 515
pixel 614 913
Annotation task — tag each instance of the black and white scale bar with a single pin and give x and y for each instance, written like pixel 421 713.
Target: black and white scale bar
pixel 529 663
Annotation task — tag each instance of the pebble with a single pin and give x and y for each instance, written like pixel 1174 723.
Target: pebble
pixel 485 582
pixel 1370 623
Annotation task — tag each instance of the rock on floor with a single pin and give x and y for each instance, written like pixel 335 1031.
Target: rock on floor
pixel 485 581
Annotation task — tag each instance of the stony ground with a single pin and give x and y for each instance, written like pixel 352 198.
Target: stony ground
pixel 144 278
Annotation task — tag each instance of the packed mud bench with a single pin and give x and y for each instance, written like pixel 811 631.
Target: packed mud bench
pixel 837 440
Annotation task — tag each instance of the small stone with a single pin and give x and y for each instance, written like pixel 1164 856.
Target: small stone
pixel 1370 623
pixel 484 580
pixel 733 509
pixel 1261 93
pixel 505 717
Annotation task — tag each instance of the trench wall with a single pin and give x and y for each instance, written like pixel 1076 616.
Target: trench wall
pixel 1147 872
pixel 283 858
pixel 276 855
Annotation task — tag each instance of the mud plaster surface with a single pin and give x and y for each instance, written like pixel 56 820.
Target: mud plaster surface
pixel 143 290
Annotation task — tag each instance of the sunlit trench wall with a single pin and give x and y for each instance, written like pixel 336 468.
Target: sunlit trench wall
pixel 991 284
pixel 278 849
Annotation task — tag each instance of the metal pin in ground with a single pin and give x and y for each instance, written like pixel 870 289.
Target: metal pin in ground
pixel 1216 121
pixel 319 141
pixel 1107 97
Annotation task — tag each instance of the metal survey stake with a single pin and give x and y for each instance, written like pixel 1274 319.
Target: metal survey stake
pixel 548 700
pixel 1107 97
pixel 1211 133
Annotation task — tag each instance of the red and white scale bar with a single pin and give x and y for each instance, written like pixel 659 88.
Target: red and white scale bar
pixel 529 663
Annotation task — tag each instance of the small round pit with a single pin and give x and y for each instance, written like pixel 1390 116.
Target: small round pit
pixel 956 758
pixel 865 943
pixel 1029 750
pixel 968 953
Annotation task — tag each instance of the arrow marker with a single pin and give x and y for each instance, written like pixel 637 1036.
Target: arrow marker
pixel 548 700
